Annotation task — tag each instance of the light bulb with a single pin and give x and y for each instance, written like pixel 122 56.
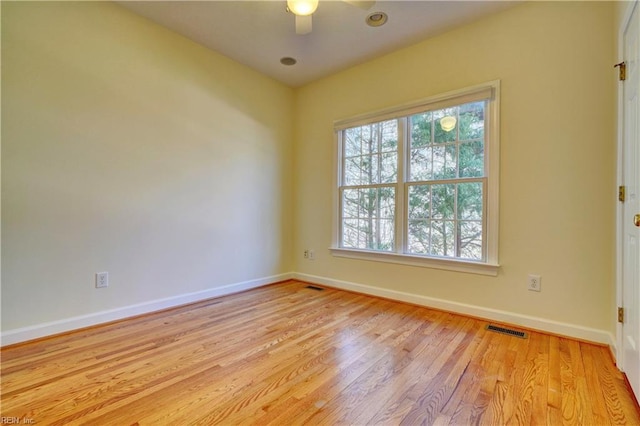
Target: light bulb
pixel 302 7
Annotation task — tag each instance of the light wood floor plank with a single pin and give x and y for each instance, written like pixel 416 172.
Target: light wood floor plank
pixel 285 354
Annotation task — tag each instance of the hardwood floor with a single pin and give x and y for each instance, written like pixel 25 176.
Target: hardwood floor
pixel 285 354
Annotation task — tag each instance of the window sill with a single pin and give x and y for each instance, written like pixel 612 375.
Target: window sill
pixel 425 262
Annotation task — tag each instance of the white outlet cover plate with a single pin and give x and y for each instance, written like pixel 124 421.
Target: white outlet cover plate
pixel 102 279
pixel 534 283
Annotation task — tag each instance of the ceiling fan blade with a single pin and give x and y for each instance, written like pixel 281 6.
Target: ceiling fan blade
pixel 303 24
pixel 362 4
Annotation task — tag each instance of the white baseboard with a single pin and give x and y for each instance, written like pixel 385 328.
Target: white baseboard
pixel 549 326
pixel 68 324
pixel 55 327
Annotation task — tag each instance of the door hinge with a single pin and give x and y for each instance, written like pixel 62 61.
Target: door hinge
pixel 620 314
pixel 622 193
pixel 622 70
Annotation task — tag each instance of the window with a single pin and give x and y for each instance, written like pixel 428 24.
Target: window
pixel 418 184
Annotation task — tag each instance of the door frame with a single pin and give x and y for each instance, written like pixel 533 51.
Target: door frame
pixel 626 17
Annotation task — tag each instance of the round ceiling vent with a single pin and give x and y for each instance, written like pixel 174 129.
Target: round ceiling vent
pixel 376 19
pixel 287 60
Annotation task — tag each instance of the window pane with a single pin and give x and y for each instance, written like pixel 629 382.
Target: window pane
pixel 386 235
pixel 419 236
pixel 370 170
pixel 352 171
pixel 443 201
pixel 420 126
pixel 390 135
pixel 471 124
pixel 373 226
pixel 450 161
pixel 350 203
pixel 371 155
pixel 419 202
pixel 365 170
pixel 440 135
pixel 442 238
pixel 420 164
pixel 470 240
pixel 471 159
pixel 352 142
pixel 470 201
pixel 444 162
pixel 389 167
pixel 368 203
pixel 350 233
pixel 457 228
pixel 368 145
pixel 386 197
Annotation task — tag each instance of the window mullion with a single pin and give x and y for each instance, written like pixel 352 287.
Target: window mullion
pixel 378 131
pixel 372 186
pixel 401 213
pixel 447 181
pixel 339 176
pixel 485 223
pixel 456 224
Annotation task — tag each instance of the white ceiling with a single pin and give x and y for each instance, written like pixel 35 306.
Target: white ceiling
pixel 259 33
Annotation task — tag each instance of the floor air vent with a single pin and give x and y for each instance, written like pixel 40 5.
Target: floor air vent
pixel 520 334
pixel 313 287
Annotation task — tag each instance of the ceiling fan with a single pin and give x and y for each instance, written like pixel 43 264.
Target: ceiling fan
pixel 303 9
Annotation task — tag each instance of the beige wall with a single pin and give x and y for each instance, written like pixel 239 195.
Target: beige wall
pixel 557 199
pixel 129 149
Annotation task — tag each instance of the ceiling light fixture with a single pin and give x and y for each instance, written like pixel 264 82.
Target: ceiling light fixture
pixel 448 123
pixel 376 19
pixel 302 7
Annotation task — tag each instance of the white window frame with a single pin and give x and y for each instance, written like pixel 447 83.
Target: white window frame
pixel 489 91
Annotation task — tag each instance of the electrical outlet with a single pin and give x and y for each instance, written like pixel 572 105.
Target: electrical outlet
pixel 312 255
pixel 102 279
pixel 306 254
pixel 534 283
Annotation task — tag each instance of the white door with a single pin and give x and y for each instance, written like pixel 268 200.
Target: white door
pixel 630 239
